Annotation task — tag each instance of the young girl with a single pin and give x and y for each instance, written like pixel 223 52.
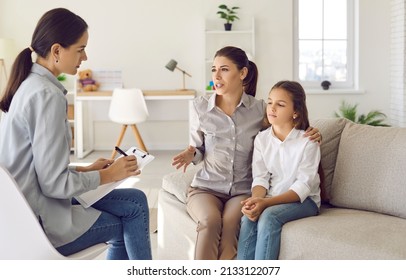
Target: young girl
pixel 285 179
pixel 223 127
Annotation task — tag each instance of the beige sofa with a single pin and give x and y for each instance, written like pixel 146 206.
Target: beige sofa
pixel 365 179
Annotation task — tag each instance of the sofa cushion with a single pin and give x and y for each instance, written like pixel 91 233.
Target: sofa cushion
pixel 370 170
pixel 177 182
pixel 330 130
pixel 344 234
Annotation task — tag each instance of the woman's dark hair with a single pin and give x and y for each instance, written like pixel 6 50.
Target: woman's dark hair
pixel 239 58
pixel 55 26
pixel 297 93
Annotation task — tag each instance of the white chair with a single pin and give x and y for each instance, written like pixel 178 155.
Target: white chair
pixel 128 108
pixel 21 235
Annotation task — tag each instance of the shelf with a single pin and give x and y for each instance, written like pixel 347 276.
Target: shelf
pixel 228 32
pixel 217 39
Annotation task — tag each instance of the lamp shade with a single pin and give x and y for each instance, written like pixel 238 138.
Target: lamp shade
pixel 6 48
pixel 171 65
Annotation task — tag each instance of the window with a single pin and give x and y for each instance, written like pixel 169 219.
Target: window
pixel 324 43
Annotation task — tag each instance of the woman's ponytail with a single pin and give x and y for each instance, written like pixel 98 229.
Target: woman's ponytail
pixel 19 72
pixel 250 82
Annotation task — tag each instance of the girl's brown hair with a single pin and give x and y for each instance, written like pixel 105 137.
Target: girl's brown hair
pixel 297 93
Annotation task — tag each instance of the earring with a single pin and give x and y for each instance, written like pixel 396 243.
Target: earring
pixel 56 61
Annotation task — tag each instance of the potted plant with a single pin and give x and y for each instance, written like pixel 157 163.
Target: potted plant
pixel 61 77
pixel 374 118
pixel 229 14
pixel 325 85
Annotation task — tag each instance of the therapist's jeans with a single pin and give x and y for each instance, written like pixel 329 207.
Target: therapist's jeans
pixel 123 223
pixel 261 240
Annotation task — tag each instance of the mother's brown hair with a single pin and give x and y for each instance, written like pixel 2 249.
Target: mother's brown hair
pixel 240 59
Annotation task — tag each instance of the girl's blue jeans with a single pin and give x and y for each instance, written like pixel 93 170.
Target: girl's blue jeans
pixel 261 240
pixel 123 223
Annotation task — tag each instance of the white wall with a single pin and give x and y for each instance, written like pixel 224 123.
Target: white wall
pixel 141 36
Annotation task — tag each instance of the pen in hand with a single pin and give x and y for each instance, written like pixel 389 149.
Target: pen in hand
pixel 120 151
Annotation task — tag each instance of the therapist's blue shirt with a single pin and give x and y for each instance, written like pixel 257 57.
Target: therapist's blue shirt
pixel 35 141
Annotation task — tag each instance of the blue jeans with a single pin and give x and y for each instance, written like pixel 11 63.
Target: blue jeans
pixel 261 240
pixel 123 223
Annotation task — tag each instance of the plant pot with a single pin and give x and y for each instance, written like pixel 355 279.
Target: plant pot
pixel 227 26
pixel 325 85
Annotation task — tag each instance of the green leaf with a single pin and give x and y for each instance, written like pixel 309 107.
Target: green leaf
pixel 61 77
pixel 373 118
pixel 228 14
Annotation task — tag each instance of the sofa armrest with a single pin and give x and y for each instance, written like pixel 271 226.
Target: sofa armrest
pixel 177 182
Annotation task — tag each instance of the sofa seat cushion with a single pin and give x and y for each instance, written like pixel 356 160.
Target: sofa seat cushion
pixel 176 229
pixel 370 170
pixel 344 234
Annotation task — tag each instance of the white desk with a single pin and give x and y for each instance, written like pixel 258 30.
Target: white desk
pixel 81 97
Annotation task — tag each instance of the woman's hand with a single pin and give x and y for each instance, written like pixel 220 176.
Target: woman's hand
pixel 313 133
pixel 121 168
pixel 184 158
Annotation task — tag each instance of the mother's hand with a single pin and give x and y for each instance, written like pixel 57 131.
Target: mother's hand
pixel 184 158
pixel 314 134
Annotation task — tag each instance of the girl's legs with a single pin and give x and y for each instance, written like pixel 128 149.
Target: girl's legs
pixel 270 226
pixel 247 239
pixel 231 227
pixel 124 224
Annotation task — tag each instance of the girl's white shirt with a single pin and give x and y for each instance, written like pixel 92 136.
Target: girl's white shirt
pixel 291 164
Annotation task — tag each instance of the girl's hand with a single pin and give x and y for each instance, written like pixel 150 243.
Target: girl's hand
pixel 313 133
pixel 253 207
pixel 184 158
pixel 121 168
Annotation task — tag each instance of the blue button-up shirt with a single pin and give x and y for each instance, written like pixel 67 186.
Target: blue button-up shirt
pixel 35 143
pixel 225 144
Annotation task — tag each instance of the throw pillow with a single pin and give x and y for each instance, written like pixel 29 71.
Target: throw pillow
pixel 178 182
pixel 330 130
pixel 370 171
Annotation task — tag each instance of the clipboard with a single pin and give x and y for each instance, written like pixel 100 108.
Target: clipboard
pixel 87 199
